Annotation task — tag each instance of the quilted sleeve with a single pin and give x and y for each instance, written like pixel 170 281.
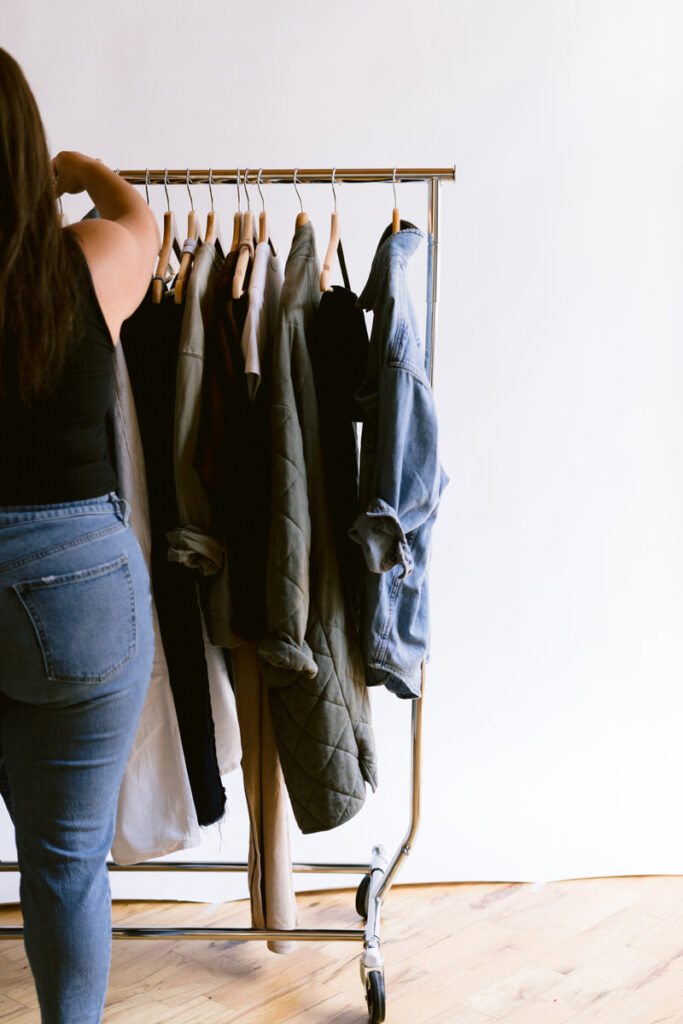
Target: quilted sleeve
pixel 287 587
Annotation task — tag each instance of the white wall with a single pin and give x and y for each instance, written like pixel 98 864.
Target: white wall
pixel 554 696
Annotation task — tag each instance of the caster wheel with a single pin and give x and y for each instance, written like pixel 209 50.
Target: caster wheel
pixel 375 997
pixel 362 897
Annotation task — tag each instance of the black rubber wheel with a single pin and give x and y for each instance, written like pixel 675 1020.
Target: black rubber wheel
pixel 375 997
pixel 362 897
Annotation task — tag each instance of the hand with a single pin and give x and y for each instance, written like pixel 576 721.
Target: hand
pixel 70 170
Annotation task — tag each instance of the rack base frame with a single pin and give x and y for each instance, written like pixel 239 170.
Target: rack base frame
pixel 379 874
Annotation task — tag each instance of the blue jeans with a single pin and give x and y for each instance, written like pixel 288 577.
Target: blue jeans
pixel 76 649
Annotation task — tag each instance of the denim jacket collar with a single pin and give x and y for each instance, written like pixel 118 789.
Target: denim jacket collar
pixel 398 246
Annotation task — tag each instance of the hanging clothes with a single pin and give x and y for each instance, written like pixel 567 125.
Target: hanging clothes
pixel 230 465
pixel 156 813
pixel 310 656
pixel 338 345
pixel 270 870
pixel 219 428
pixel 265 286
pixel 196 542
pixel 150 340
pixel 232 457
pixel 401 478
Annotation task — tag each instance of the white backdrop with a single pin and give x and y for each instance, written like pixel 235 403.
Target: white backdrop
pixel 554 701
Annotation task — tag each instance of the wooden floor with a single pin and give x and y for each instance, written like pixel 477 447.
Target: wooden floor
pixel 592 951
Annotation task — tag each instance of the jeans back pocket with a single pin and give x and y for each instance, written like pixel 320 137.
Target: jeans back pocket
pixel 84 621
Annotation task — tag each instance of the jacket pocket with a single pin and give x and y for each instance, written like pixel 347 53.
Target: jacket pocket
pixel 84 621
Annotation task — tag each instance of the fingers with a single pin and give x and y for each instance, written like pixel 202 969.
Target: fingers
pixel 59 190
pixel 69 168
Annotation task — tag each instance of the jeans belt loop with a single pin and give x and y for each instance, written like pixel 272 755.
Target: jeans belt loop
pixel 121 507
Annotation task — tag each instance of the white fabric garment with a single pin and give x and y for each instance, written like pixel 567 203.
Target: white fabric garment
pixel 265 285
pixel 223 709
pixel 156 813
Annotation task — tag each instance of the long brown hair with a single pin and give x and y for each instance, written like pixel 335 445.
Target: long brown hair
pixel 39 278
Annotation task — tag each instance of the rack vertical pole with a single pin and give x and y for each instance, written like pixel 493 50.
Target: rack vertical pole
pixel 432 273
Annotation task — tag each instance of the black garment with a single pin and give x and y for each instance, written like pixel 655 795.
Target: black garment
pixel 233 455
pixel 338 344
pixel 150 340
pixel 57 450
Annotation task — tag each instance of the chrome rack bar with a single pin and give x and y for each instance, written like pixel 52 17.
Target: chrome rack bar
pixel 223 934
pixel 242 934
pixel 285 177
pixel 169 865
pixel 209 865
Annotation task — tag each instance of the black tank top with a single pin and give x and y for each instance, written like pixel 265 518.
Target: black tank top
pixel 59 449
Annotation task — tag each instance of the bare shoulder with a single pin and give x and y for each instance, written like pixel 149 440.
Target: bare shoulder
pixel 119 270
pixel 101 238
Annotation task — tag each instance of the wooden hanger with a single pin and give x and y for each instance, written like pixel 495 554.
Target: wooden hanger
pixel 263 225
pixel 212 235
pixel 263 216
pixel 170 240
pixel 396 216
pixel 301 218
pixel 246 247
pixel 325 285
pixel 192 239
pixel 237 220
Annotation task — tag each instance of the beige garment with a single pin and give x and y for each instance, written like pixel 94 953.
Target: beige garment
pixel 273 903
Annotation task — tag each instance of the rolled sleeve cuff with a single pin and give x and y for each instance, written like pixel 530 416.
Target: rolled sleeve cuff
pixel 380 535
pixel 287 658
pixel 196 549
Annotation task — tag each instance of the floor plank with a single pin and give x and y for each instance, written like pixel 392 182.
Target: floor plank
pixel 585 951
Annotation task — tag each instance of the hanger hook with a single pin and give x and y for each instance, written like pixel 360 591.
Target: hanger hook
pixel 239 194
pixel 211 187
pixel 187 182
pixel 296 171
pixel 168 201
pixel 147 184
pixel 246 192
pixel 334 171
pixel 393 184
pixel 258 186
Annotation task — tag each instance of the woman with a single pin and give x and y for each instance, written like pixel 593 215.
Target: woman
pixel 76 639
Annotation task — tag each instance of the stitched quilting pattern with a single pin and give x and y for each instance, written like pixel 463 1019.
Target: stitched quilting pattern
pixel 311 657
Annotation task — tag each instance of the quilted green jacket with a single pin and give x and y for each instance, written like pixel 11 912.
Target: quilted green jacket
pixel 311 656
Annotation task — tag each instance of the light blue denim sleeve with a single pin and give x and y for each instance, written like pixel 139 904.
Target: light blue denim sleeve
pixel 408 478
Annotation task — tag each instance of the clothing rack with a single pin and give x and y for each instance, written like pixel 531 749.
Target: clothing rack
pixel 377 876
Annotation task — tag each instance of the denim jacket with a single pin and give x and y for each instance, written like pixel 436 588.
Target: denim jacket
pixel 401 478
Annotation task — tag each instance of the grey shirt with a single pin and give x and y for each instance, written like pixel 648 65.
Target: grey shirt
pixel 195 543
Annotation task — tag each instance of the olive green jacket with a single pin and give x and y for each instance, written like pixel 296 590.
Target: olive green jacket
pixel 311 656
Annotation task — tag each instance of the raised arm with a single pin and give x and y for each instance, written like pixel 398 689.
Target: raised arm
pixel 122 245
